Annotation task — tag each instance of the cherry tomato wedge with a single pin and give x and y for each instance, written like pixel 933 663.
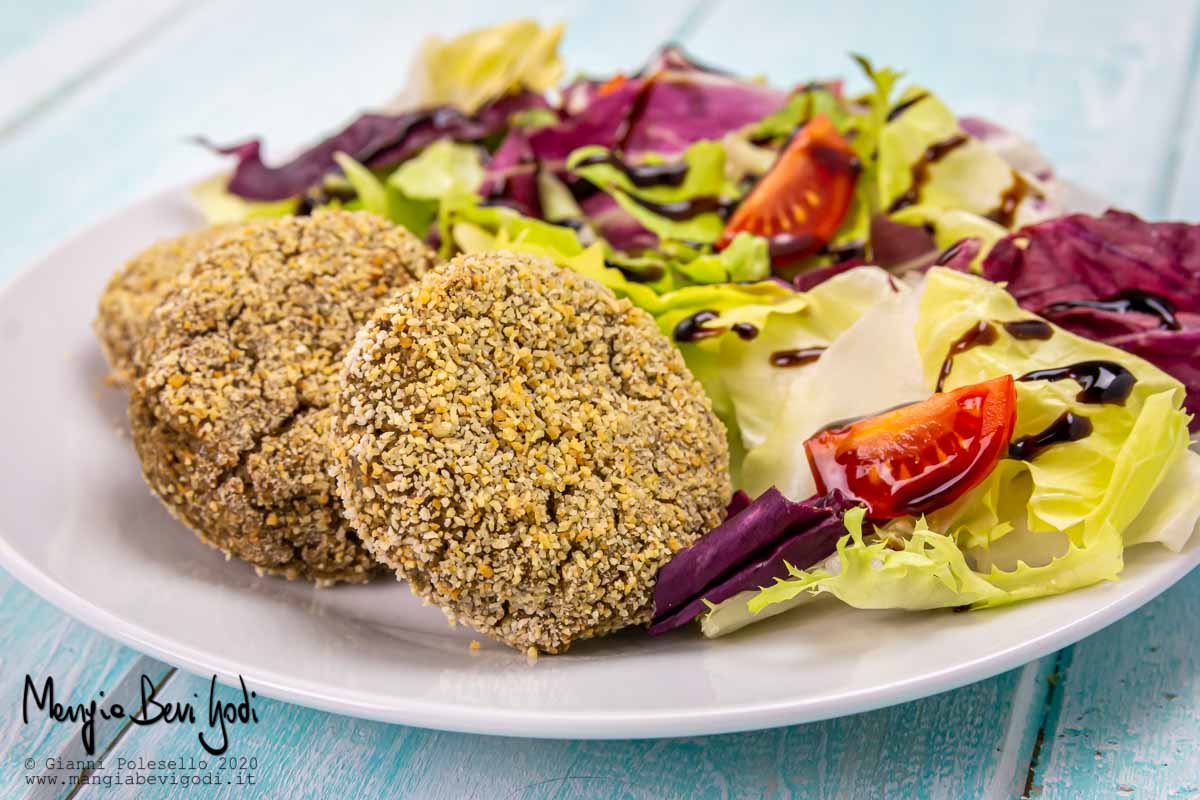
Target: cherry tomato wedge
pixel 799 204
pixel 920 457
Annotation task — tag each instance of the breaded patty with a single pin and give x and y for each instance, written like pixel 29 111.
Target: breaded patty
pixel 135 289
pixel 525 449
pixel 237 370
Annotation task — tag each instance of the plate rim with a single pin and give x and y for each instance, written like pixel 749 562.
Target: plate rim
pixel 503 721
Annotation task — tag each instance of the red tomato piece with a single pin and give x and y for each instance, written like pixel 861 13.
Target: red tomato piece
pixel 919 457
pixel 800 203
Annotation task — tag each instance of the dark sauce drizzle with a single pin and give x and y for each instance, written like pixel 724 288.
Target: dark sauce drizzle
pixel 1105 382
pixel 846 251
pixel 796 358
pixel 744 330
pixel 920 170
pixel 581 189
pixel 1005 213
pixel 951 252
pixel 636 109
pixel 646 274
pixel 316 198
pixel 1026 329
pixel 905 106
pixel 691 329
pixel 1128 301
pixel 682 210
pixel 981 333
pixel 641 175
pixel 835 160
pixel 1070 427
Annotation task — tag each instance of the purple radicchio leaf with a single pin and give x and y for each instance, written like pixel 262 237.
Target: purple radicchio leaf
pixel 602 122
pixel 510 178
pixel 959 255
pixel 747 551
pixel 895 244
pixel 680 108
pixel 1051 266
pixel 620 228
pixel 815 277
pixel 376 140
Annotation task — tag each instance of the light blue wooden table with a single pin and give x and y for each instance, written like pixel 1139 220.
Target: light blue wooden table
pixel 97 98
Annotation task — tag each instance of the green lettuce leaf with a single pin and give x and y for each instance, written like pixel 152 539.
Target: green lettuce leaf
pixel 1079 488
pixel 372 192
pixel 532 119
pixel 218 206
pixel 747 258
pixel 928 572
pixel 386 200
pixel 971 177
pixel 1172 513
pixel 469 227
pixel 868 127
pixel 952 225
pixel 1043 527
pixel 757 390
pixel 442 169
pixel 485 64
pixel 705 178
pixel 557 202
pixel 799 109
pixel 444 172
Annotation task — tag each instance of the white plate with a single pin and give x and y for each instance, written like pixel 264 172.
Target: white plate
pixel 79 527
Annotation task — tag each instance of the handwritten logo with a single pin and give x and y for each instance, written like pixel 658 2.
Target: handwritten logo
pixel 150 711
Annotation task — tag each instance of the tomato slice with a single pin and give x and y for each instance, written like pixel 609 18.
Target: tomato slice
pixel 920 457
pixel 799 204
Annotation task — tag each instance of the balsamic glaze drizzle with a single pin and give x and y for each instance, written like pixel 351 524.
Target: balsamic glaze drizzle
pixel 681 210
pixel 1103 382
pixel 900 108
pixel 920 170
pixel 1025 329
pixel 796 358
pixel 691 329
pixel 1070 427
pixel 980 333
pixel 641 175
pixel 745 330
pixel 1128 301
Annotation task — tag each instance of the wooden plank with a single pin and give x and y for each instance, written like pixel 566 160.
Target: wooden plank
pixel 946 746
pixel 1094 85
pixel 1180 179
pixel 290 70
pixel 1128 708
pixel 26 23
pixel 38 641
pixel 76 49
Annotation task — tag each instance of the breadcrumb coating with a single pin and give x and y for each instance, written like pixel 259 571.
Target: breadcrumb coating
pixel 525 449
pixel 237 370
pixel 136 288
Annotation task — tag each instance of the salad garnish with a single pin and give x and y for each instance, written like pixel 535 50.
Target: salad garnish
pixel 940 389
pixel 920 457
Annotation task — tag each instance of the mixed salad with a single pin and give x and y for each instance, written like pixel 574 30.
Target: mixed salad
pixel 942 388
